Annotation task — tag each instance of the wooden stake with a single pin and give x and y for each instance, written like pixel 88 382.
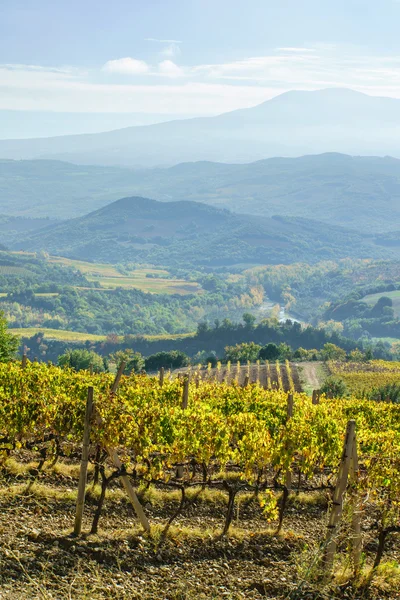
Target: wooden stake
pixel 288 474
pixel 118 377
pixel 185 393
pixel 315 397
pixel 184 405
pixel 24 361
pixel 118 464
pixel 130 491
pixel 161 376
pixel 356 517
pixel 80 503
pixel 337 504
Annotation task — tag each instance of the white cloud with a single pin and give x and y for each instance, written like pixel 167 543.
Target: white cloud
pixel 126 66
pixel 170 69
pixel 163 41
pixel 294 50
pixel 197 89
pixel 26 90
pixel 171 50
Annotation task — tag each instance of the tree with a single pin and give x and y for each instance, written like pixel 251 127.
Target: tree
pixel 8 342
pixel 356 355
pixel 249 320
pixel 335 387
pixel 134 360
pixel 243 352
pixel 285 351
pixel 333 352
pixel 269 352
pixel 303 354
pixel 81 360
pixel 175 359
pixel 389 393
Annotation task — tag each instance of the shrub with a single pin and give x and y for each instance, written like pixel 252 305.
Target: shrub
pixel 335 387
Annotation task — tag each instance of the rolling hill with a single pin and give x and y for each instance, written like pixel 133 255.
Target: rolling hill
pixel 292 124
pixel 355 192
pixel 190 233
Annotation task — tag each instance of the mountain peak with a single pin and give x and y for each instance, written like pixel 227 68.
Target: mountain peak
pixel 293 124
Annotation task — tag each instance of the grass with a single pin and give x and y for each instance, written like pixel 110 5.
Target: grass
pixel 108 277
pixel 78 336
pixel 150 285
pixel 372 299
pixel 57 334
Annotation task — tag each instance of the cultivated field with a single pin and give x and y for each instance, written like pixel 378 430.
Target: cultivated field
pixel 108 277
pixel 236 491
pixel 77 336
pixel 361 378
pixel 269 375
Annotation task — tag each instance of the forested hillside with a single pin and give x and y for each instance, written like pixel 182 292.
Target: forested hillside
pixel 336 189
pixel 190 233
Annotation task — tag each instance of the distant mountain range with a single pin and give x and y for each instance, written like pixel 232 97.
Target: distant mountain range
pixel 360 193
pixel 292 124
pixel 190 234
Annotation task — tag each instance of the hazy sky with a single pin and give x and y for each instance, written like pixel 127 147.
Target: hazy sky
pixel 189 57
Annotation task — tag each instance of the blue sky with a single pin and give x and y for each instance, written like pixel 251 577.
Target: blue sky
pixel 176 58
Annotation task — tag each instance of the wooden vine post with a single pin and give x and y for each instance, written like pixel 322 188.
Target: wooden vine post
pixel 118 376
pixel 185 393
pixel 356 516
pixel 118 464
pixel 184 405
pixel 348 465
pixel 288 474
pixel 24 360
pixel 161 377
pixel 315 396
pixel 80 503
pixel 130 491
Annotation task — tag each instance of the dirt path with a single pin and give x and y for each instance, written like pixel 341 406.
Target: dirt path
pixel 312 375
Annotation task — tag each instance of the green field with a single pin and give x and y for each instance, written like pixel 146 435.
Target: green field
pixel 57 334
pixel 395 297
pixel 6 270
pixel 78 336
pixel 107 277
pixel 148 284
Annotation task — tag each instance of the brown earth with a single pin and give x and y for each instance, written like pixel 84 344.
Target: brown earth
pixel 39 559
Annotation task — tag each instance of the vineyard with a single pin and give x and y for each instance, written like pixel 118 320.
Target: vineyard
pixel 361 378
pixel 238 491
pixel 269 375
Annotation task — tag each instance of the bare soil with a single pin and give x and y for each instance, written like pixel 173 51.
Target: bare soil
pixel 40 559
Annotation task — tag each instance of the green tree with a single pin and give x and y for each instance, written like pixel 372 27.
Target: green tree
pixel 175 359
pixel 81 359
pixel 243 352
pixel 333 352
pixel 134 360
pixel 285 351
pixel 269 352
pixel 8 342
pixel 249 320
pixel 387 393
pixel 335 387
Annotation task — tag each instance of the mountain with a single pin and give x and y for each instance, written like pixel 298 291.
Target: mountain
pixel 356 192
pixel 292 124
pixel 187 234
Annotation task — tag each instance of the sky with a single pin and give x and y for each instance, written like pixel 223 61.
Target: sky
pixel 69 66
